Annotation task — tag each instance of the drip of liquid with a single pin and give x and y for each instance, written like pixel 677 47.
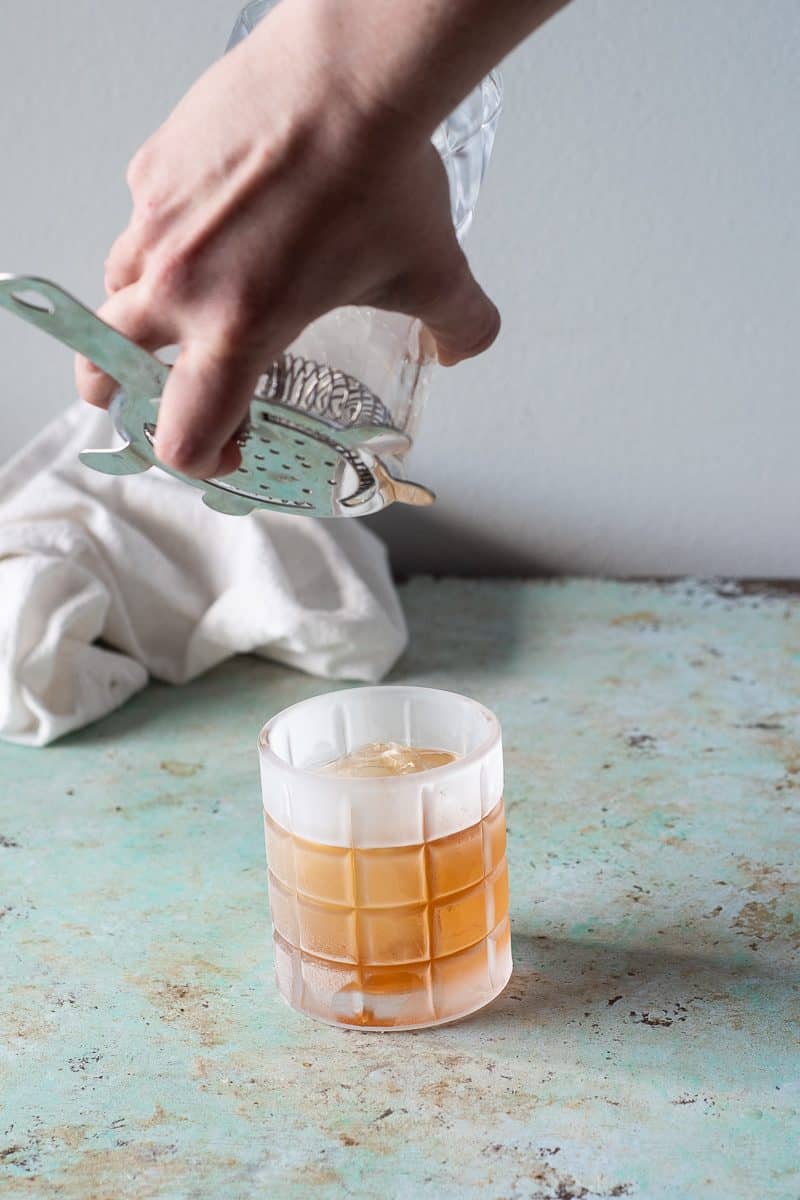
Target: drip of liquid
pixel 378 760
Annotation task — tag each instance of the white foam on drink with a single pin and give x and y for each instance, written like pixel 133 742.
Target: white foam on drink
pixel 378 760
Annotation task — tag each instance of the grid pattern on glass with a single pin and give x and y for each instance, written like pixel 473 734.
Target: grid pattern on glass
pixel 391 937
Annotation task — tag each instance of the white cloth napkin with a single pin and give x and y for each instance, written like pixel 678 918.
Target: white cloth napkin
pixel 105 581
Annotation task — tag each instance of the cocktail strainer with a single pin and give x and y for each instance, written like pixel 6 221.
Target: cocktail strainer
pixel 317 442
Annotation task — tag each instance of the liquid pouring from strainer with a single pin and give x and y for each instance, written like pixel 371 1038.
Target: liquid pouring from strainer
pixel 316 441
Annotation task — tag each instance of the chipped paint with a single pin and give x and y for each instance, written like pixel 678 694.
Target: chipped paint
pixel 647 1045
pixel 181 770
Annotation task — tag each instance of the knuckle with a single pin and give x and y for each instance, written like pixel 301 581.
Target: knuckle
pixel 126 250
pixel 140 167
pixel 146 227
pixel 147 290
pixel 241 312
pixel 169 273
pixel 119 249
pixel 150 204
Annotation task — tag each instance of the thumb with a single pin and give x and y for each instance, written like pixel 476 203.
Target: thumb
pixel 460 316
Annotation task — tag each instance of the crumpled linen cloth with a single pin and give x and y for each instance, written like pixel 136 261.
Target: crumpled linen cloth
pixel 106 581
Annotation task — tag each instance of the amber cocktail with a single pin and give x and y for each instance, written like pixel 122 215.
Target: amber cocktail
pixel 387 872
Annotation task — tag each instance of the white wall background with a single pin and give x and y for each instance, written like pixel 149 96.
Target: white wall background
pixel 640 231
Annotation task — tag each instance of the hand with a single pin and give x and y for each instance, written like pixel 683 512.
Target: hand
pixel 272 194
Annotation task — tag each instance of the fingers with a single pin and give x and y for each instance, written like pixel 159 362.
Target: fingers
pixel 126 312
pixel 197 422
pixel 463 320
pixel 207 397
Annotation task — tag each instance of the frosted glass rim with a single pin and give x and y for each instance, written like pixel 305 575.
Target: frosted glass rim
pixel 334 783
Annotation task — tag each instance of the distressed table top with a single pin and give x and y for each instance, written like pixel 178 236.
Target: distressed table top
pixel 647 1045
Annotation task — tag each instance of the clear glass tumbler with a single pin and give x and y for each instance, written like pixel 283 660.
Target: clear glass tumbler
pixel 389 896
pixel 387 352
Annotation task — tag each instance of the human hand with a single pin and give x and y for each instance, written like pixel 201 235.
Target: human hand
pixel 276 191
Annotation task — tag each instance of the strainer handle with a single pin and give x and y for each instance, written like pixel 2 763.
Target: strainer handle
pixel 47 306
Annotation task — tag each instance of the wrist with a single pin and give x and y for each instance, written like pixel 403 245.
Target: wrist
pixel 310 96
pixel 353 66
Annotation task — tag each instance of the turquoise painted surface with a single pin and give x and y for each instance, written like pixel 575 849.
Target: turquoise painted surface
pixel 648 1043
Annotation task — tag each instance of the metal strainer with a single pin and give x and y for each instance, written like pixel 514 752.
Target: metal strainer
pixel 316 442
